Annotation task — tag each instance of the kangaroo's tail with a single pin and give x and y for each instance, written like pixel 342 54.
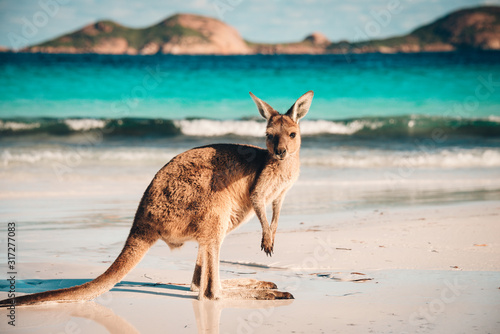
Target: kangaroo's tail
pixel 132 253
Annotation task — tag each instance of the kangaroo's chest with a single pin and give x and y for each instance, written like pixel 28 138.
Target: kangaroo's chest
pixel 280 184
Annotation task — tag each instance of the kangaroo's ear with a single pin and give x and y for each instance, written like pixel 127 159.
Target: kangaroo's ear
pixel 265 109
pixel 300 107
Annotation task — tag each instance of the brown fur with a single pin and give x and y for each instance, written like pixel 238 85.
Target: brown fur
pixel 201 195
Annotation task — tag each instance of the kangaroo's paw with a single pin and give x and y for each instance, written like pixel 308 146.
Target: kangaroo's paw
pixel 247 283
pixel 267 244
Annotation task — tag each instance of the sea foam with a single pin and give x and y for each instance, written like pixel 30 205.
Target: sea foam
pixel 338 158
pixel 85 124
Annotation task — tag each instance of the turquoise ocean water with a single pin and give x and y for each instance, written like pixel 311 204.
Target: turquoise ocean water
pixel 377 104
pixel 177 87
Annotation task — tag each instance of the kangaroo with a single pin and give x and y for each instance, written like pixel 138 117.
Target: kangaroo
pixel 201 195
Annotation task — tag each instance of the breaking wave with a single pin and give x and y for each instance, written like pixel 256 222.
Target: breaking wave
pixel 394 127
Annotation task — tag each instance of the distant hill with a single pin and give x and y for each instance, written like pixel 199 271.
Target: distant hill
pixel 473 28
pixel 178 34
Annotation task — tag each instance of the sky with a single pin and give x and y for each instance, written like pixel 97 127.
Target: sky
pixel 29 22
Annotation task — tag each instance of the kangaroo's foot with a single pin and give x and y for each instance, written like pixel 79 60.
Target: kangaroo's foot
pixel 246 288
pixel 264 294
pixel 247 283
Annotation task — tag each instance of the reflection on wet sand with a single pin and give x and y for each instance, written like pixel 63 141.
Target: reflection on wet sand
pixel 40 318
pixel 208 313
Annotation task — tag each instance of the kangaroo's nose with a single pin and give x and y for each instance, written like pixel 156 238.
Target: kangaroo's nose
pixel 280 151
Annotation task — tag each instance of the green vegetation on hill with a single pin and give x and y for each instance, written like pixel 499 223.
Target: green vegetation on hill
pixel 468 28
pixel 92 35
pixel 462 28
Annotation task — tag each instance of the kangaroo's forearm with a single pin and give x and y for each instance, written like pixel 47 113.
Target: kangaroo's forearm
pixel 258 199
pixel 260 212
pixel 277 203
pixel 276 215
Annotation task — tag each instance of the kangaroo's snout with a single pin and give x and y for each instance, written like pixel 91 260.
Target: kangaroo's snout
pixel 277 146
pixel 280 153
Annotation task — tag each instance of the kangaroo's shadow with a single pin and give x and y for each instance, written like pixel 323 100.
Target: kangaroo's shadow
pixel 40 285
pixel 178 291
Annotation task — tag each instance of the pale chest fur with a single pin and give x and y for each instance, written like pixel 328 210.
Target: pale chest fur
pixel 280 177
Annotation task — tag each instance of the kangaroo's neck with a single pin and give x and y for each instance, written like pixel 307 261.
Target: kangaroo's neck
pixel 288 167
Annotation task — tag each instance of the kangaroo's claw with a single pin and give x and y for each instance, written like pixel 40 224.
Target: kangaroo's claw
pixel 267 244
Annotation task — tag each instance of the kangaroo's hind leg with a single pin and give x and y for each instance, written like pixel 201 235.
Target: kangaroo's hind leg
pixel 210 287
pixel 210 284
pixel 195 283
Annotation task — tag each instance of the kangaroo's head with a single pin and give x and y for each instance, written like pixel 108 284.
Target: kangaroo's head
pixel 283 132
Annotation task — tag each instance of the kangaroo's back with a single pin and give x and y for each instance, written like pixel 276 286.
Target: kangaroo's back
pixel 200 183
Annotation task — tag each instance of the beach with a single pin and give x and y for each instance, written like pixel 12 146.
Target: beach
pixel 392 226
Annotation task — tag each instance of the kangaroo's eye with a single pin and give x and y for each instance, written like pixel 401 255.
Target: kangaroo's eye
pixel 292 135
pixel 270 137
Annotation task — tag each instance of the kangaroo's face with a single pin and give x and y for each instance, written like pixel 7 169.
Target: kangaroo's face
pixel 283 132
pixel 283 137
